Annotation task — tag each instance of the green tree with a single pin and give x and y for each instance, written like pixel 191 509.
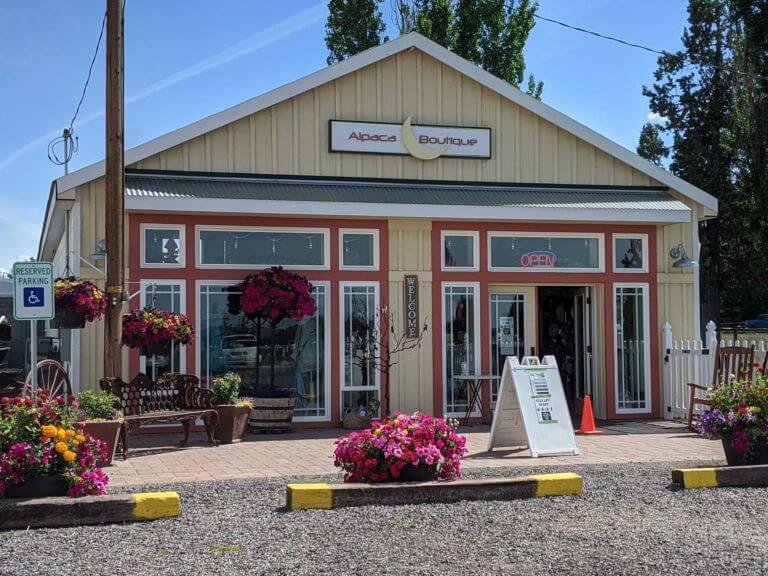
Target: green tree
pixel 651 146
pixel 434 19
pixel 692 94
pixel 352 26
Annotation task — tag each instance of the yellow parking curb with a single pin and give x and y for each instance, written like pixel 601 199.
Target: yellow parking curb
pixel 310 496
pixel 153 505
pixel 560 484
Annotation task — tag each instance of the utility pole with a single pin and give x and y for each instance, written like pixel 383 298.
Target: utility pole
pixel 115 179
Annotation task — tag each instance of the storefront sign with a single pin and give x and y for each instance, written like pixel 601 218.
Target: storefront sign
pixel 420 141
pixel 411 306
pixel 538 259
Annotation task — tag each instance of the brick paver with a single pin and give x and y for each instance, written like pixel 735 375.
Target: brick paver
pixel 309 452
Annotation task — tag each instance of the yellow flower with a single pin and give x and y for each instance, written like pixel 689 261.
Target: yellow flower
pixel 75 443
pixel 61 434
pixel 69 456
pixel 49 430
pixel 80 438
pixel 60 447
pixel 755 409
pixel 70 433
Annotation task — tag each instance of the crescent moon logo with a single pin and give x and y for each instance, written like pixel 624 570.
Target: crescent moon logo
pixel 414 148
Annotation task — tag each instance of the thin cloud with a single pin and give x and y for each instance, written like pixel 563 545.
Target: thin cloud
pixel 256 41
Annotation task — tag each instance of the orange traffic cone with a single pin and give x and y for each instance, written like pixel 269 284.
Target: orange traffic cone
pixel 588 419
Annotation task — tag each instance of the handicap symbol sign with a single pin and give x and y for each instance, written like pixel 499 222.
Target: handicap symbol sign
pixel 34 297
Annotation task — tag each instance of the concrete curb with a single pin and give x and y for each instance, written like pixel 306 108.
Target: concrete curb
pixel 328 496
pixel 63 511
pixel 724 476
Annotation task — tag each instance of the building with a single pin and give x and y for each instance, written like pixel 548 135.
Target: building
pixel 519 230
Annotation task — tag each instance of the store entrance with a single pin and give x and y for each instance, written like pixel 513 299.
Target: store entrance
pixel 566 331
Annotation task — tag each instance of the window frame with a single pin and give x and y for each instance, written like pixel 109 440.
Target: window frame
pixel 475 235
pixel 342 365
pixel 369 231
pixel 326 232
pixel 645 287
pixel 327 352
pixel 182 284
pixel 643 237
pixel 143 227
pixel 444 341
pixel 599 236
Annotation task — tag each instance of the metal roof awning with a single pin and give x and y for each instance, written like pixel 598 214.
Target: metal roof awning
pixel 388 198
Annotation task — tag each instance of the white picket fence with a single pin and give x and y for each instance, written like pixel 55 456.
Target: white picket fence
pixel 693 361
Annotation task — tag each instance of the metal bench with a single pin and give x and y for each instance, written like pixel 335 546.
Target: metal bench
pixel 174 398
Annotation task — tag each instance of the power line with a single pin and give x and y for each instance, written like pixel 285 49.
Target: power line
pixel 70 143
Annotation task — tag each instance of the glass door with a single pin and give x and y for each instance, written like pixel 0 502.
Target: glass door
pixel 512 327
pixel 583 313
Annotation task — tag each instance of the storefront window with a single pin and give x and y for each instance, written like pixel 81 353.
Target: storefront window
pixel 629 253
pixel 249 247
pixel 163 246
pixel 163 296
pixel 459 251
pixel 358 249
pixel 541 253
pixel 460 343
pixel 632 349
pixel 229 343
pixel 507 333
pixel 361 379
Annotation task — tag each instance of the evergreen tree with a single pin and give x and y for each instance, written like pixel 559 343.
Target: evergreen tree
pixel 434 19
pixel 352 26
pixel 651 146
pixel 692 93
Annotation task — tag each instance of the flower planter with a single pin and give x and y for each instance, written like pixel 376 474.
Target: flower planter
pixel 68 319
pixel 161 349
pixel 757 455
pixel 233 422
pixel 40 487
pixel 273 412
pixel 418 473
pixel 107 431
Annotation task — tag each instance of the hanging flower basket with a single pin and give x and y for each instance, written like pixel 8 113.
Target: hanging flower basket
pixel 153 330
pixel 77 302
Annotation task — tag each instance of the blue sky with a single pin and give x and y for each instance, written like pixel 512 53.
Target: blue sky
pixel 186 60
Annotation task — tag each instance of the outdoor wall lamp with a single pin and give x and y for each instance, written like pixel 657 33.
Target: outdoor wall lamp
pixel 101 253
pixel 681 257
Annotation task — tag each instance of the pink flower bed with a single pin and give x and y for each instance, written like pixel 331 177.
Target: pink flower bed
pixel 380 452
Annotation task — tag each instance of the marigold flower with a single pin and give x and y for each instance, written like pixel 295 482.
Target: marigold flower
pixel 70 433
pixel 80 438
pixel 60 447
pixel 61 434
pixel 69 456
pixel 48 430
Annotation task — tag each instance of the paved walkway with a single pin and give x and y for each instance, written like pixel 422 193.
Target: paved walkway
pixel 154 459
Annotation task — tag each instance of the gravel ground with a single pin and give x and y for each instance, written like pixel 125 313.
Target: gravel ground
pixel 629 521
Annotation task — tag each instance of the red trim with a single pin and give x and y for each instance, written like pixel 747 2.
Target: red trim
pixel 190 274
pixel 605 279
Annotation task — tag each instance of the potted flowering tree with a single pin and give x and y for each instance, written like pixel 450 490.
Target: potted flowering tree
pixel 77 302
pixel 272 295
pixel 101 419
pixel 233 411
pixel 738 417
pixel 153 330
pixel 405 448
pixel 44 453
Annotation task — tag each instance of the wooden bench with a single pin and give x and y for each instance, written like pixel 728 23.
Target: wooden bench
pixel 174 398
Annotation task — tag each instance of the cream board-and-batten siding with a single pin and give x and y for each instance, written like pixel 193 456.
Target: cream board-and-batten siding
pixel 410 76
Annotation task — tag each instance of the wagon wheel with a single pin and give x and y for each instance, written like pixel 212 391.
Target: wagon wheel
pixel 52 378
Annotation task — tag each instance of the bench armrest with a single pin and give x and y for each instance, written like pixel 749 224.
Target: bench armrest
pixel 697 386
pixel 199 398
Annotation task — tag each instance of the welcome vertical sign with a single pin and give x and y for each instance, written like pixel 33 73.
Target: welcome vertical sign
pixel 411 305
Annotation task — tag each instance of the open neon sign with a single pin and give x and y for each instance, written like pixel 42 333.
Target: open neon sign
pixel 538 259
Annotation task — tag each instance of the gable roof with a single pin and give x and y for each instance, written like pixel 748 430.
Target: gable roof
pixel 366 58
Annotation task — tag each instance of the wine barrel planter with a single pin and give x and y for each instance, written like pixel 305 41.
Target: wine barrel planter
pixel 68 320
pixel 273 412
pixel 107 431
pixel 40 487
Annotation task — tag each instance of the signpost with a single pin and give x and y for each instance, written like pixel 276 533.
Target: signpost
pixel 531 409
pixel 33 300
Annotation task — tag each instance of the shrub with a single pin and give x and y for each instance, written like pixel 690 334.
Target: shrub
pixel 226 389
pixel 97 405
pixel 380 452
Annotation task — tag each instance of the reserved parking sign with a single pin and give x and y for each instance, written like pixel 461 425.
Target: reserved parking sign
pixel 33 291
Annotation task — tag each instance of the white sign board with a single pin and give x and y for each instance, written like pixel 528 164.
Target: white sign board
pixel 423 142
pixel 33 291
pixel 531 409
